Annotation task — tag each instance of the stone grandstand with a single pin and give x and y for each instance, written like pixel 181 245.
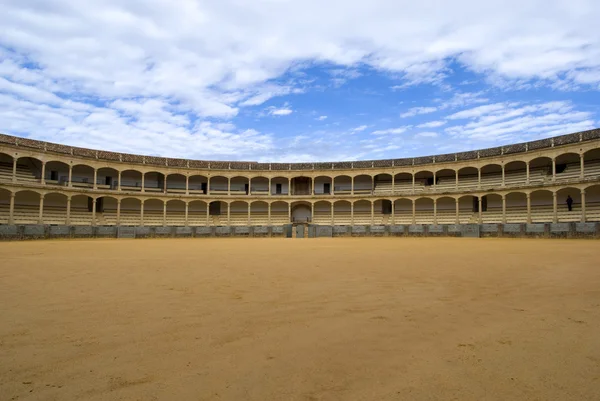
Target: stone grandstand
pixel 45 184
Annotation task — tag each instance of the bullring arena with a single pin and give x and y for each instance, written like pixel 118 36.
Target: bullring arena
pixel 362 280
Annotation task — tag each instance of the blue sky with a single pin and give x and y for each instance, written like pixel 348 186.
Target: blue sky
pixel 279 80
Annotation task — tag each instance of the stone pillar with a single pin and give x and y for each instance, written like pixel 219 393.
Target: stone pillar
pixel 269 211
pixel 249 223
pixel 332 219
pixel 527 170
pixel 503 176
pixel 372 185
pixel 413 182
pixel 581 167
pixel 554 208
pixel 43 176
pixel 414 209
pixel 187 185
pixel 269 191
pixel 14 171
pixel 142 213
pixel 143 182
pixel 352 185
pixel 457 206
pixel 290 212
pixel 583 216
pixel 70 176
pixel 435 211
pixel 393 212
pixel 93 212
pixel 68 221
pixel 434 175
pixel 165 177
pixel 312 183
pixel 11 210
pixel 312 211
pixel 95 186
pixel 456 180
pixel 119 181
pixel 393 183
pixel 553 169
pixel 207 185
pixel 187 207
pixel 289 187
pixel 118 212
pixel 207 213
pixel 372 212
pixel 528 208
pixel 479 177
pixel 164 213
pixel 41 212
pixel 480 209
pixel 503 209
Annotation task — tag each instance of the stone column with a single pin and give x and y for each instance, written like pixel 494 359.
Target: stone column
pixel 68 221
pixel 480 209
pixel 456 180
pixel 143 182
pixel 95 186
pixel 554 208
pixel 372 212
pixel 479 177
pixel 207 213
pixel 142 213
pixel 207 186
pixel 312 211
pixel 457 206
pixel 393 212
pixel 43 176
pixel 14 171
pixel 290 212
pixel 312 183
pixel 165 183
pixel 352 213
pixel 503 209
pixel 41 212
pixel 228 214
pixel 11 210
pixel 372 185
pixel 289 187
pixel 269 212
pixel 393 183
pixel 270 190
pixel 434 175
pixel 553 169
pixel 187 207
pixel 249 223
pixel 352 186
pixel 93 212
pixel 503 176
pixel 164 213
pixel 70 176
pixel 413 182
pixel 187 185
pixel 332 219
pixel 583 216
pixel 529 208
pixel 435 211
pixel 118 212
pixel 527 170
pixel 414 209
pixel 581 167
pixel 119 181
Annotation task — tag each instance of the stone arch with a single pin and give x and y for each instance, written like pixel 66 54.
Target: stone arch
pixel 563 213
pixel 56 173
pixel 107 177
pixel 55 208
pixel 302 185
pixel 491 175
pixel 342 184
pixel 82 176
pixel 131 209
pixel 219 185
pixel 446 210
pixel 175 183
pixel 423 180
pixel 154 181
pixel 279 212
pixel 341 212
pixel 238 213
pixel 592 203
pixel 591 160
pixel 363 184
pixel 153 212
pixel 466 210
pixel 516 207
pixel 301 212
pixel 27 207
pixel 5 195
pixel 131 180
pixel 515 173
pixel 197 184
pixel 468 177
pixel 322 212
pixel 323 185
pixel 362 212
pixel 493 211
pixel 568 166
pixel 6 167
pixel 280 185
pixel 403 211
pixel 239 185
pixel 197 213
pixel 29 168
pixel 259 185
pixel 259 213
pixel 403 183
pixel 424 210
pixel 445 179
pixel 382 184
pixel 81 209
pixel 540 169
pixel 175 212
pixel 542 209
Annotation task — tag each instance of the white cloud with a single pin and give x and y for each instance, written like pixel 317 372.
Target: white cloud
pixel 427 134
pixel 391 131
pixel 431 124
pixel 418 110
pixel 321 118
pixel 284 111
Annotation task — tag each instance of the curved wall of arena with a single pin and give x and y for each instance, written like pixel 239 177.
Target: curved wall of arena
pixel 47 183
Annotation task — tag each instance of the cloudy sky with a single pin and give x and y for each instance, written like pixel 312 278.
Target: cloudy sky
pixel 298 80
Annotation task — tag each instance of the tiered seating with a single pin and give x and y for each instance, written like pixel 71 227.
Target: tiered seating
pixel 23 173
pixel 382 187
pixel 29 214
pixel 591 169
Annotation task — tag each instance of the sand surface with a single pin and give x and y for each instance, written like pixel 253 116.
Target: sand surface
pixel 296 319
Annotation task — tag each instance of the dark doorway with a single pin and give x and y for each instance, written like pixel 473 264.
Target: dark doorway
pixel 278 189
pixel 54 175
pixel 203 188
pixel 214 209
pixel 301 186
pixel 246 188
pixel 327 188
pixel 386 207
pixel 476 204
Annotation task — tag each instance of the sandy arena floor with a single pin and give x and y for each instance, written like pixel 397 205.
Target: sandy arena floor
pixel 276 319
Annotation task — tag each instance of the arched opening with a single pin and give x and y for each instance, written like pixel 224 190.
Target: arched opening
pixel 259 213
pixel 301 212
pixel 382 208
pixel 29 169
pixel 591 163
pixel 131 209
pixel 423 180
pixel 259 186
pixel 81 210
pixel 563 213
pixel 403 183
pixel 197 213
pixel 362 212
pixel 403 211
pixel 491 175
pixel 540 169
pixel 154 181
pixel 445 180
pixel 55 208
pixel 4 205
pixel 363 185
pixel 107 178
pixel 322 213
pixel 240 185
pixel 466 209
pixel 27 207
pixel 342 184
pixel 82 176
pixel 341 213
pixel 382 184
pixel 279 186
pixel 515 173
pixel 542 209
pixel 568 166
pixel 424 211
pixel 219 185
pixel 446 210
pixel 516 207
pixel 301 186
pixel 153 212
pixel 238 213
pixel 6 167
pixel 175 212
pixel 176 184
pixel 131 180
pixel 323 185
pixel 493 210
pixel 592 203
pixel 468 178
pixel 56 173
pixel 198 184
pixel 279 213
pixel 106 210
